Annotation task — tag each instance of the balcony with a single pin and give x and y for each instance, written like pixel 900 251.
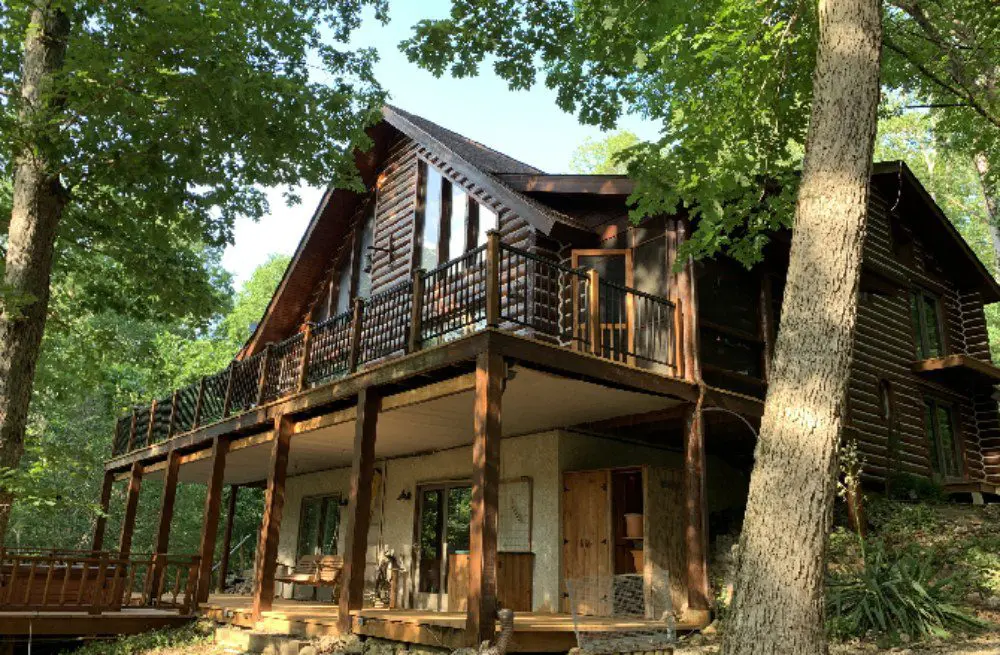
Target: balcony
pixel 496 286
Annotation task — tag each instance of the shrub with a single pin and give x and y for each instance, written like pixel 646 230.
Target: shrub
pixel 894 596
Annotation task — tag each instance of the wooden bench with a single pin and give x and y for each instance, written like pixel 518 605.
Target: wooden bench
pixel 315 571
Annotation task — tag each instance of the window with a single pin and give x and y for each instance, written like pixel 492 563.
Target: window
pixel 926 312
pixel 443 530
pixel 729 315
pixel 354 280
pixel 942 438
pixel 449 222
pixel 364 255
pixel 319 524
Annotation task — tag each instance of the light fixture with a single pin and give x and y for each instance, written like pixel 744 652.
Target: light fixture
pixel 404 495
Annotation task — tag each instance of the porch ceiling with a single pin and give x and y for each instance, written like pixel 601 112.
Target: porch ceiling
pixel 533 401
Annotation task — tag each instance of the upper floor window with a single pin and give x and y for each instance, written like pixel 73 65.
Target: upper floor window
pixel 925 310
pixel 942 437
pixel 449 222
pixel 354 277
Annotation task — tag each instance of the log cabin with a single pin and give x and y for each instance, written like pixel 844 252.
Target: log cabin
pixel 490 378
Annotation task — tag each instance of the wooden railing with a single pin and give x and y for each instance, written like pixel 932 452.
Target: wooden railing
pixel 495 285
pixel 95 582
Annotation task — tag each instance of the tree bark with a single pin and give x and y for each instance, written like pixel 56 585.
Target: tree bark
pixel 39 199
pixel 778 596
pixel 992 200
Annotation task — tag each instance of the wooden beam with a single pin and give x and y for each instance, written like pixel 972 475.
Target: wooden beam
pixel 687 292
pixel 162 542
pixel 357 323
pixel 131 507
pixel 227 539
pixel 414 341
pixel 493 274
pixel 304 362
pixel 480 622
pixel 594 311
pixel 359 508
pixel 270 527
pixel 102 520
pixel 210 523
pixel 696 511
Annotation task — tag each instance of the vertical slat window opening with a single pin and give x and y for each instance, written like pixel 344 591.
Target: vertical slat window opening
pixel 943 438
pixel 925 310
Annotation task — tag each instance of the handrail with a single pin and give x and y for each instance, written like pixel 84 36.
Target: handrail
pixel 495 284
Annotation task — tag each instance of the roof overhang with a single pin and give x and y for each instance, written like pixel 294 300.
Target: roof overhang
pixel 600 185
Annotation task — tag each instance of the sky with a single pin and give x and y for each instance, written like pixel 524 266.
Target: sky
pixel 526 125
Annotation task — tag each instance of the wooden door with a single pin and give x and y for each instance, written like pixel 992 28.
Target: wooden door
pixel 586 555
pixel 617 309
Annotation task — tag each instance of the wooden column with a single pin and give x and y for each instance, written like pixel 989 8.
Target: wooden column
pixel 594 311
pixel 359 508
pixel 274 502
pixel 131 507
pixel 304 362
pixel 687 292
pixel 162 543
pixel 210 523
pixel 357 323
pixel 413 341
pixel 696 511
pixel 227 539
pixel 480 622
pixel 493 278
pixel 102 519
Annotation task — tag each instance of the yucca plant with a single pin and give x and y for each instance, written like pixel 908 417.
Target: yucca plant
pixel 893 596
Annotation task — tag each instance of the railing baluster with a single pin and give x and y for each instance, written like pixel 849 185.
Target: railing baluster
pixel 48 581
pixel 31 580
pixel 228 399
pixel 265 366
pixel 198 403
pixel 173 415
pixel 65 582
pixel 152 422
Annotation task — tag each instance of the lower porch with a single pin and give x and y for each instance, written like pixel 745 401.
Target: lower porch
pixel 534 632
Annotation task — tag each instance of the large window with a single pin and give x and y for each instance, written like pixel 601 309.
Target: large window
pixel 319 522
pixel 449 222
pixel 925 309
pixel 443 530
pixel 943 438
pixel 729 325
pixel 354 277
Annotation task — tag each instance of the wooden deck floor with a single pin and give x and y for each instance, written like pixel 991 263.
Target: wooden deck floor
pixel 65 623
pixel 533 632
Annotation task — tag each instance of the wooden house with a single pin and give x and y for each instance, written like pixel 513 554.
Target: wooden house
pixel 491 373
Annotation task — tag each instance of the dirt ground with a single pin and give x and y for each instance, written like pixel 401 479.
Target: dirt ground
pixel 987 644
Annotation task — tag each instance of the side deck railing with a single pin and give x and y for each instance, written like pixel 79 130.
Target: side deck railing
pixel 49 580
pixel 495 285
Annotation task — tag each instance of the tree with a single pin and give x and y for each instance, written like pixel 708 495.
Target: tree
pixel 608 156
pixel 126 124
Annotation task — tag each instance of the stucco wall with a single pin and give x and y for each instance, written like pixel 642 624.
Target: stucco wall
pixel 534 456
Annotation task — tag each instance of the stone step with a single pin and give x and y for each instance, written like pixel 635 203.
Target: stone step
pixel 235 640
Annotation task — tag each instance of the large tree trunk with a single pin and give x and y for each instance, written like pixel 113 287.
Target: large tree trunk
pixel 992 198
pixel 778 595
pixel 39 199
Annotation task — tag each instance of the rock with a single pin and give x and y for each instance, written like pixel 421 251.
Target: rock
pixel 308 650
pixel 993 602
pixel 711 629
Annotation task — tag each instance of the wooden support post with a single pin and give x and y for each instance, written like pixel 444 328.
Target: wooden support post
pixel 304 363
pixel 198 404
pixel 687 293
pixel 210 523
pixel 270 527
pixel 227 539
pixel 480 622
pixel 162 542
pixel 416 312
pixel 678 338
pixel 594 311
pixel 132 430
pixel 131 507
pixel 152 423
pixel 102 520
pixel 228 399
pixel 493 279
pixel 696 511
pixel 359 508
pixel 173 414
pixel 357 321
pixel 265 364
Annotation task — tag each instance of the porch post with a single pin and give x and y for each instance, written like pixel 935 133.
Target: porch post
pixel 162 543
pixel 359 508
pixel 102 520
pixel 131 507
pixel 274 502
pixel 696 511
pixel 480 622
pixel 210 524
pixel 227 540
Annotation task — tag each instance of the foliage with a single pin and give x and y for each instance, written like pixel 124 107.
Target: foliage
pixel 608 156
pixel 187 640
pixel 729 81
pixel 895 595
pixel 909 487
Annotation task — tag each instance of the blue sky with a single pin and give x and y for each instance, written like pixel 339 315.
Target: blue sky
pixel 525 125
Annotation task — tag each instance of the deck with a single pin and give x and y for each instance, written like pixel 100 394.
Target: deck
pixel 128 621
pixel 534 632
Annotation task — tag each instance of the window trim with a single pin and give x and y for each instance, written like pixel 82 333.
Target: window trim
pixel 325 501
pixel 935 403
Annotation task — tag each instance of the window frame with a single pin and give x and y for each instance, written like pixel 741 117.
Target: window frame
pixel 327 501
pixel 935 445
pixel 921 337
pixel 470 221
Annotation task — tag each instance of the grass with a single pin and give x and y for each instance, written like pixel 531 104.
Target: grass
pixel 192 639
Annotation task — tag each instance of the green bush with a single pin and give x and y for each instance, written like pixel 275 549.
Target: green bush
pixel 909 487
pixel 194 637
pixel 895 595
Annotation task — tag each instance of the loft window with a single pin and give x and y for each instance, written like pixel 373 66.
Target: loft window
pixel 449 222
pixel 354 279
pixel 319 522
pixel 925 310
pixel 942 438
pixel 729 319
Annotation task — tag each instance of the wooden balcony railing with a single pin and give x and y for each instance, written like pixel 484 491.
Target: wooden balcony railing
pixel 496 285
pixel 95 582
